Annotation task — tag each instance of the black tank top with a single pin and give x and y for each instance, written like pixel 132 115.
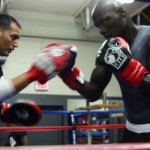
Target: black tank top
pixel 137 101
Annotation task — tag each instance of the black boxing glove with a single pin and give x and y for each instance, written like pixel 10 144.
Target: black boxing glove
pixel 25 112
pixel 115 55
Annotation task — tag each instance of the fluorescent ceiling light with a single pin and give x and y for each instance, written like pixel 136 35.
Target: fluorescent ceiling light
pixel 125 1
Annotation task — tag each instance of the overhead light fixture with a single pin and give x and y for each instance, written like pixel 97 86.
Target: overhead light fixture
pixel 125 1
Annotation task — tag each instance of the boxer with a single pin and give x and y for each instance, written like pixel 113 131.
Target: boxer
pixel 125 54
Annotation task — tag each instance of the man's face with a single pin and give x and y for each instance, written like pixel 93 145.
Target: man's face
pixel 109 23
pixel 9 39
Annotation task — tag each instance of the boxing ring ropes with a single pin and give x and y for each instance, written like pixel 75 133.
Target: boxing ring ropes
pixel 114 146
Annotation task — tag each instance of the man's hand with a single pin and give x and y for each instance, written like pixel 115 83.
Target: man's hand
pixel 71 75
pixel 115 55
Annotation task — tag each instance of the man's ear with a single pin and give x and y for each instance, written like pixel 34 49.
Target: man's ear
pixel 121 11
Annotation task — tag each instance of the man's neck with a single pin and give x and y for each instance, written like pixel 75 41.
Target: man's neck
pixel 131 33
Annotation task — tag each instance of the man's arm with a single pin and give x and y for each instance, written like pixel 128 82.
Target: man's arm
pixel 93 89
pixel 73 77
pixel 20 82
pixel 9 88
pixel 52 59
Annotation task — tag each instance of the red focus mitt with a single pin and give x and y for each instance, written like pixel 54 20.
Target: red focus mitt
pixel 53 58
pixel 25 112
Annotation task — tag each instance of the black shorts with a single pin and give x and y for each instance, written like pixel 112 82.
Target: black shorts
pixel 131 137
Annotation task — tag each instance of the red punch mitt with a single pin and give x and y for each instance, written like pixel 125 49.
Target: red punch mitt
pixel 53 58
pixel 25 112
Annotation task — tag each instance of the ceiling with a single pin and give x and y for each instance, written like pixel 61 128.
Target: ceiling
pixel 70 15
pixel 63 7
pixel 59 7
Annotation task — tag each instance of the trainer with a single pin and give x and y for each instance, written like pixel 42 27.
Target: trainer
pixel 53 58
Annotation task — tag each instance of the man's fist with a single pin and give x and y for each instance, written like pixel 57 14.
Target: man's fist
pixel 72 78
pixel 52 59
pixel 73 54
pixel 115 55
pixel 25 112
pixel 71 75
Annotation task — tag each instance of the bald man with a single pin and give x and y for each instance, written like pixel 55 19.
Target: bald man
pixel 126 54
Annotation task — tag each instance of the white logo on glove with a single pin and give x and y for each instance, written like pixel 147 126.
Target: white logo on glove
pixel 115 57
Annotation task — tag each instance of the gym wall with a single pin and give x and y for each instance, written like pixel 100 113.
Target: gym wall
pixel 20 60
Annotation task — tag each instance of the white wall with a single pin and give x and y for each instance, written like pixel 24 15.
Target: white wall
pixel 19 61
pixel 39 24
